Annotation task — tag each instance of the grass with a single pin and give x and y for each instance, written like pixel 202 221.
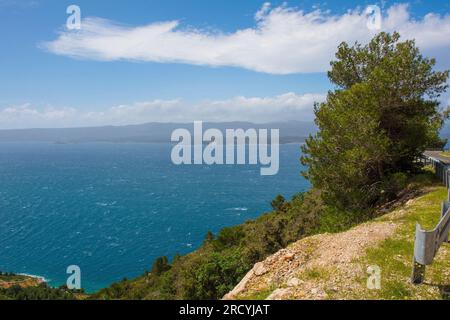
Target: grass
pixel 394 256
pixel 258 296
pixel 315 274
pixel 445 153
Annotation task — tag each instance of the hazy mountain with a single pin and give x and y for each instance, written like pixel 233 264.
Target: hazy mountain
pixel 292 131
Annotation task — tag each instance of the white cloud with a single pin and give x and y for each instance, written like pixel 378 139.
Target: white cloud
pixel 261 13
pixel 284 40
pixel 284 107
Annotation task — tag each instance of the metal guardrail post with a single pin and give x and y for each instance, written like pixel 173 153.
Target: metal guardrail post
pixel 445 219
pixel 446 176
pixel 427 243
pixel 418 272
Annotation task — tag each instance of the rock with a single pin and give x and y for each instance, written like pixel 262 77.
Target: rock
pixel 279 294
pixel 294 282
pixel 289 256
pixel 300 294
pixel 322 295
pixel 259 269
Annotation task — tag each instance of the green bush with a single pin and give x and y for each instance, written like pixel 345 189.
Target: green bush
pixel 160 265
pixel 41 292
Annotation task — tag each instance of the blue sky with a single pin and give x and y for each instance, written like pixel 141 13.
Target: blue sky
pixel 220 60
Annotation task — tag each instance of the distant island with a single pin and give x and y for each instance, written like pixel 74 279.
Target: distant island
pixel 290 132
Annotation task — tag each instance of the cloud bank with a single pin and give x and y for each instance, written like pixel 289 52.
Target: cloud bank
pixel 284 40
pixel 284 107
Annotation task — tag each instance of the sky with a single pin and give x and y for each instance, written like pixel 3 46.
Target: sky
pixel 183 60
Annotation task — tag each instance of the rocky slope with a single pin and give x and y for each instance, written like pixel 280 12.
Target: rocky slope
pixel 335 266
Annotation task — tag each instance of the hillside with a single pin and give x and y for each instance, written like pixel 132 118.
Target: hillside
pixel 214 269
pixel 24 287
pixel 8 280
pixel 334 266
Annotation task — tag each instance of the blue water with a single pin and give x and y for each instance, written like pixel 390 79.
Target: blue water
pixel 113 208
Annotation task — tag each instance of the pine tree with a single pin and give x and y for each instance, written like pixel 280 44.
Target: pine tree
pixel 381 117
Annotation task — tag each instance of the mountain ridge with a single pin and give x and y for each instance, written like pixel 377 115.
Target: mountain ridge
pixel 291 131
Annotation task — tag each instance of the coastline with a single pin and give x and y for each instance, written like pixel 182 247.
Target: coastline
pixel 20 279
pixel 41 279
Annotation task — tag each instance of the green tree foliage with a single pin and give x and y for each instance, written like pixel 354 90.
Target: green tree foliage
pixel 382 115
pixel 279 204
pixel 160 265
pixel 41 292
pixel 209 238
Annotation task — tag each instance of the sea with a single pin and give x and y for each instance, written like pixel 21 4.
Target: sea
pixel 112 208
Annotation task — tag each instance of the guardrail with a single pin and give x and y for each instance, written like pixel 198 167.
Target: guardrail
pixel 427 243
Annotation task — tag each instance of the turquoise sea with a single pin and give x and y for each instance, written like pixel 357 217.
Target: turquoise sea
pixel 112 208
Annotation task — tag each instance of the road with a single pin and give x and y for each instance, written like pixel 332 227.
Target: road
pixel 438 156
